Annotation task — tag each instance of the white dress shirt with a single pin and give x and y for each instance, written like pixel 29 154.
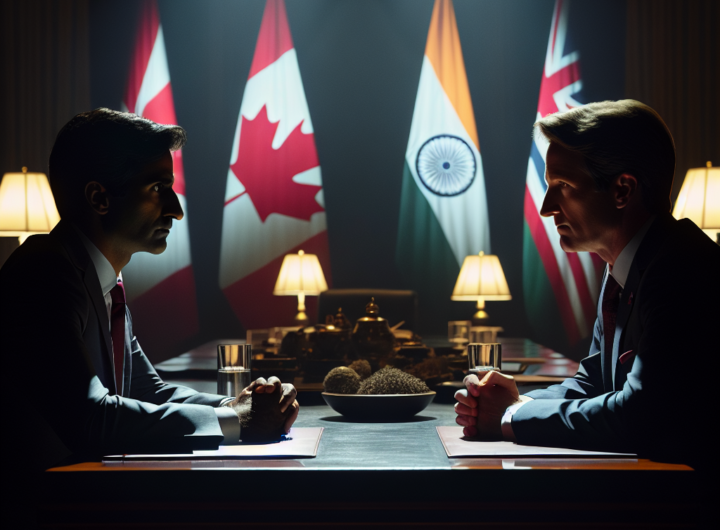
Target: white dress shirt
pixel 619 271
pixel 227 418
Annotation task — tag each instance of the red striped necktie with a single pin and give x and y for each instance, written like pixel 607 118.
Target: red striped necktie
pixel 611 300
pixel 117 332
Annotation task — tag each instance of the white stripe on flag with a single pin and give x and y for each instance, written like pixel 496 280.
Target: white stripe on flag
pixel 248 244
pixel 278 87
pixel 463 218
pixel 157 75
pixel 554 59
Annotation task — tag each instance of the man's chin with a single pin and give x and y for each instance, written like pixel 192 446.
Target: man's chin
pixel 568 245
pixel 156 247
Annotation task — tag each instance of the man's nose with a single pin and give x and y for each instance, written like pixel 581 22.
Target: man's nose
pixel 549 206
pixel 172 207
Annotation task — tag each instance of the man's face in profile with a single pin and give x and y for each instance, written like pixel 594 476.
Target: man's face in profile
pixel 141 218
pixel 584 216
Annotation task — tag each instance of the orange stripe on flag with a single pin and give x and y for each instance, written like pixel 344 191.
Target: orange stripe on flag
pixel 445 54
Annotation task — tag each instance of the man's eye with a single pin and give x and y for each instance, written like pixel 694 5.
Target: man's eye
pixel 156 187
pixel 562 184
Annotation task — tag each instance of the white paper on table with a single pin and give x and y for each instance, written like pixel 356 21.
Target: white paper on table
pixel 456 446
pixel 300 442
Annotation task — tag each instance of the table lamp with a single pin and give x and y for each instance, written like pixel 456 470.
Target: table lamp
pixel 481 278
pixel 27 205
pixel 300 275
pixel 699 200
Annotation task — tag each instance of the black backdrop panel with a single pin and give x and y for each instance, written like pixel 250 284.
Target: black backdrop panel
pixel 360 63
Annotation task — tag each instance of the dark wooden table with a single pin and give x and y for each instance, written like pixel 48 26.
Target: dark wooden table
pixel 379 475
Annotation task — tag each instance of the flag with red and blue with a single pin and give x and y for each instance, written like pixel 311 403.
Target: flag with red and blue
pixel 555 282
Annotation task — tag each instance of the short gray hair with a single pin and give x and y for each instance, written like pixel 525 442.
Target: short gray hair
pixel 616 137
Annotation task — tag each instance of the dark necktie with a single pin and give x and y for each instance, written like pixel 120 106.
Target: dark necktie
pixel 611 300
pixel 117 332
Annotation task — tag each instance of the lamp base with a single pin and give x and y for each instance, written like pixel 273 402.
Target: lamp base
pixel 301 317
pixel 480 316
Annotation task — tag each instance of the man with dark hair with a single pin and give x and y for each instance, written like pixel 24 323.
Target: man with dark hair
pixel 66 333
pixel 609 171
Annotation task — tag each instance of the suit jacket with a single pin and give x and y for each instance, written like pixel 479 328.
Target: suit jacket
pixel 58 365
pixel 651 394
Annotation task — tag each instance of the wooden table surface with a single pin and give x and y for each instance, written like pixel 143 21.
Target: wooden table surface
pixel 375 474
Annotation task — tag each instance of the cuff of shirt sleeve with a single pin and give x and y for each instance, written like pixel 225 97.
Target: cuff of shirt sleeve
pixel 506 422
pixel 229 425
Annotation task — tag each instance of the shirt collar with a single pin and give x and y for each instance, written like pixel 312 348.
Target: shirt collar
pixel 106 273
pixel 621 269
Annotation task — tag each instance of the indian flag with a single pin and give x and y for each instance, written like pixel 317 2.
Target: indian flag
pixel 443 209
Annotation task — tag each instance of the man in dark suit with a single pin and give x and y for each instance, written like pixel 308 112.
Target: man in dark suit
pixel 609 171
pixel 78 380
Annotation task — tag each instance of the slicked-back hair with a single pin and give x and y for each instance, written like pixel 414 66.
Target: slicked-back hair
pixel 617 137
pixel 108 147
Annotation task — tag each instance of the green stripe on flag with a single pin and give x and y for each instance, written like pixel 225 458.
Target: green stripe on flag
pixel 425 258
pixel 540 304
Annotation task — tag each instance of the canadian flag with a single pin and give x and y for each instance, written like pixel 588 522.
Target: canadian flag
pixel 160 289
pixel 273 196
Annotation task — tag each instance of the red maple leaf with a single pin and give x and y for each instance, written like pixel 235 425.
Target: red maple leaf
pixel 267 173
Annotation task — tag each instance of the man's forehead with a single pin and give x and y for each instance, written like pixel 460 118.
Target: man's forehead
pixel 562 161
pixel 160 167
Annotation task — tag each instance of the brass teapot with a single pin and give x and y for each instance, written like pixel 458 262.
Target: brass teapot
pixel 372 338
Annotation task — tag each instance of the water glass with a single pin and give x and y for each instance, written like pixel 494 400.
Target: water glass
pixel 484 357
pixel 234 363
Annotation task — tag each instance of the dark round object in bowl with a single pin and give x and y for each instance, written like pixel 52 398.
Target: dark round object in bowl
pixel 375 408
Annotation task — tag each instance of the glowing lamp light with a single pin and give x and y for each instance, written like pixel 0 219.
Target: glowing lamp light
pixel 27 205
pixel 300 275
pixel 481 278
pixel 699 200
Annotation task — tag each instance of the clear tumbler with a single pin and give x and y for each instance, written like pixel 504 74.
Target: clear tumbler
pixel 234 362
pixel 484 357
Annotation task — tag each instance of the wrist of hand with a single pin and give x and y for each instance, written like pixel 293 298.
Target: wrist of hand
pixel 242 406
pixel 506 421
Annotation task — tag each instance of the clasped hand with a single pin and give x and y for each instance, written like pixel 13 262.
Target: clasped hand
pixel 480 407
pixel 266 409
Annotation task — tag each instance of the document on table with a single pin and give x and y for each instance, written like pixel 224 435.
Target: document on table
pixel 300 442
pixel 457 446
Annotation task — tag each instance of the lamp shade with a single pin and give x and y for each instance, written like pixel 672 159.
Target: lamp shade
pixel 699 199
pixel 481 278
pixel 26 205
pixel 300 274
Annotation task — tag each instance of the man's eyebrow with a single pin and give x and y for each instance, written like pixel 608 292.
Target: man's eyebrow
pixel 164 177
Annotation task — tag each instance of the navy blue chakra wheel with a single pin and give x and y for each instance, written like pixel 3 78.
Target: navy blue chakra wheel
pixel 446 165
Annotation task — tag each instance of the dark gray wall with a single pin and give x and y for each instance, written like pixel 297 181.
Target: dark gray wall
pixel 360 62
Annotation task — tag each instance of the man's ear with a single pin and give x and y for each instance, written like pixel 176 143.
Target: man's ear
pixel 624 188
pixel 97 197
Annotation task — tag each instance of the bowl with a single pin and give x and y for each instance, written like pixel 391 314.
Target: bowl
pixel 378 407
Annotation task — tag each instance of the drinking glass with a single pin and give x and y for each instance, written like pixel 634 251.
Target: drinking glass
pixel 233 368
pixel 484 357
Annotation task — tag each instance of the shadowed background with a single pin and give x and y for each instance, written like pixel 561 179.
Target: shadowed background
pixel 360 63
